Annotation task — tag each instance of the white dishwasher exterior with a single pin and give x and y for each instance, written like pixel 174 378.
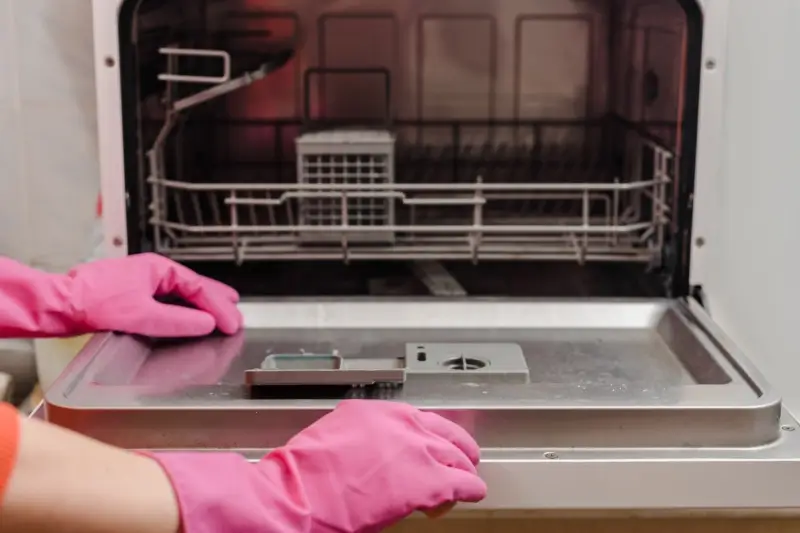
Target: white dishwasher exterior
pixel 745 246
pixel 746 241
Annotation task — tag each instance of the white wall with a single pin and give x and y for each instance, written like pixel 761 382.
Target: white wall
pixel 48 152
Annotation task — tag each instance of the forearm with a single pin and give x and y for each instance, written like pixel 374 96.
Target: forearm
pixel 34 303
pixel 65 482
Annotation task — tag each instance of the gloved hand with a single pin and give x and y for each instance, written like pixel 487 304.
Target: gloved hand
pixel 359 469
pixel 114 294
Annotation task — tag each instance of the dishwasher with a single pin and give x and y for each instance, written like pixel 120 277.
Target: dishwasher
pixel 480 207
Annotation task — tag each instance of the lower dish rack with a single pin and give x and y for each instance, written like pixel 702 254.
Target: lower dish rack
pixel 597 190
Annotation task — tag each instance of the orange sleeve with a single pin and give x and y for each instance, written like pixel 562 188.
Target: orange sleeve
pixel 9 444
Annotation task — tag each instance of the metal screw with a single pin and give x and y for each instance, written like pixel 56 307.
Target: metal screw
pixel 551 455
pixel 118 241
pixel 700 242
pixel 788 428
pixel 109 61
pixel 711 64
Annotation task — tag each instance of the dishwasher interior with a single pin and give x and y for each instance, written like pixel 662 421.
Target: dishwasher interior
pixel 374 148
pixel 480 207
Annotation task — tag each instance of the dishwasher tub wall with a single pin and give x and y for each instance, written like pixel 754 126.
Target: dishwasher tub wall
pixel 524 131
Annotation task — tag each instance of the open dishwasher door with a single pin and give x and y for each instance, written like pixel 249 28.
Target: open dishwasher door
pixel 486 213
pixel 567 399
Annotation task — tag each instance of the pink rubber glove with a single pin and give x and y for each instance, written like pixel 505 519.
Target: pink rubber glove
pixel 359 469
pixel 113 294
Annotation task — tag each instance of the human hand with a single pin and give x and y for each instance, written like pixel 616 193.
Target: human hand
pixel 369 464
pixel 359 469
pixel 119 294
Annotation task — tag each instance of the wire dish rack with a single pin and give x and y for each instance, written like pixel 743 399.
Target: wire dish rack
pixel 385 187
pixel 545 190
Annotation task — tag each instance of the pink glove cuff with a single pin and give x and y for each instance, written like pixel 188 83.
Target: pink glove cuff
pixel 34 303
pixel 223 493
pixel 358 469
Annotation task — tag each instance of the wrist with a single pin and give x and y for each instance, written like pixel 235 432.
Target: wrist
pixel 63 481
pixel 67 308
pixel 224 492
pixel 36 303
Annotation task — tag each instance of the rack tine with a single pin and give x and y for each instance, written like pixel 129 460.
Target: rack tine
pixel 551 195
pixel 216 215
pixel 198 212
